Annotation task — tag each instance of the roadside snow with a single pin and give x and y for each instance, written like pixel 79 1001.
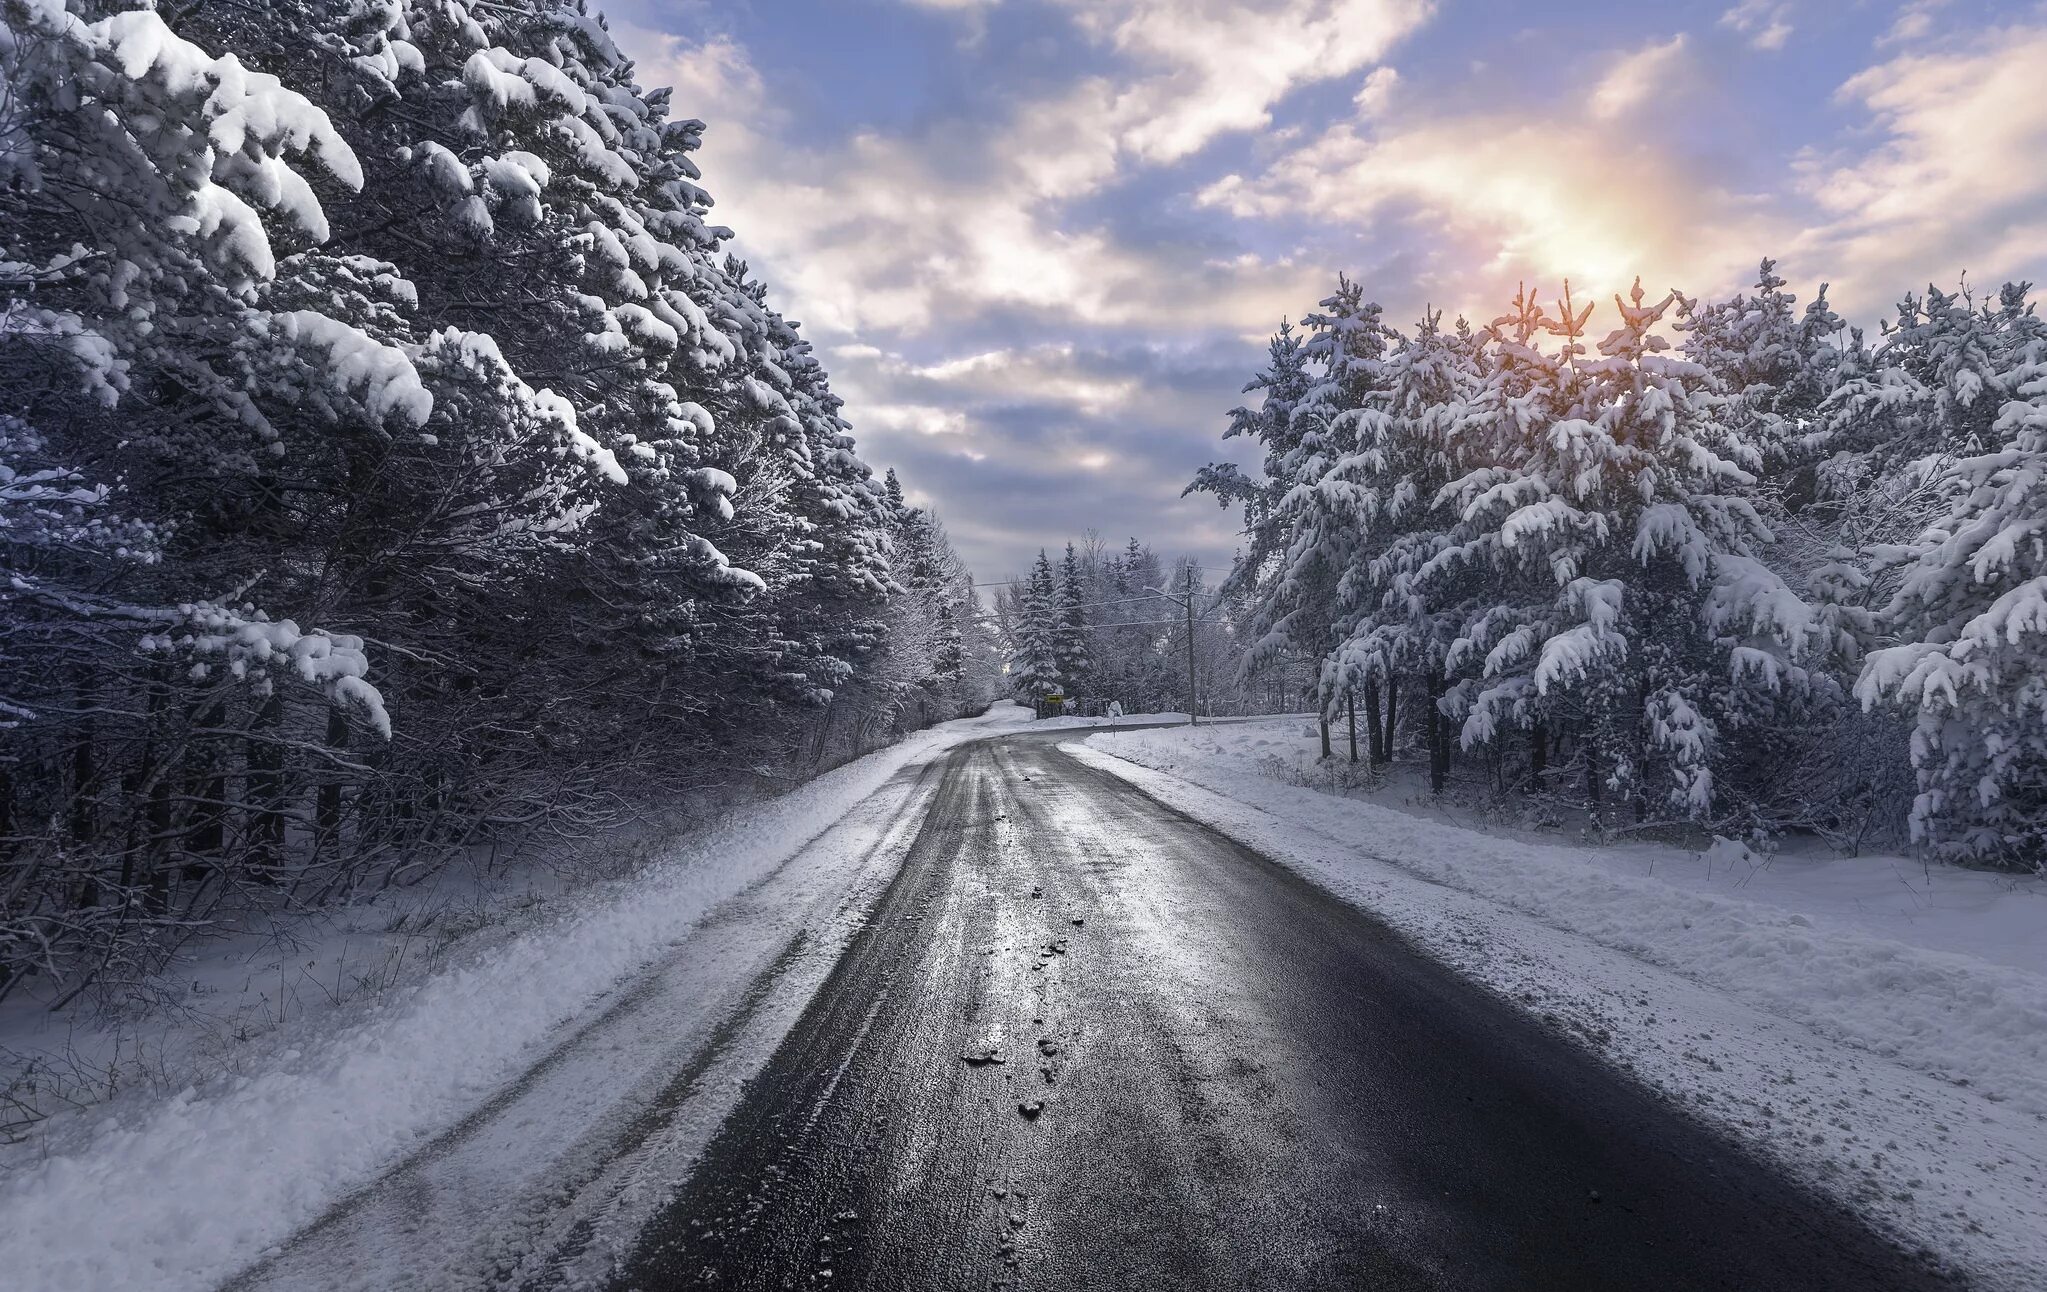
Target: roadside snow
pixel 2001 918
pixel 1127 720
pixel 195 1186
pixel 1904 1076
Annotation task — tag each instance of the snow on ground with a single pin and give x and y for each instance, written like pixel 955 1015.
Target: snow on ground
pixel 1987 916
pixel 1893 1051
pixel 231 998
pixel 1127 720
pixel 191 1187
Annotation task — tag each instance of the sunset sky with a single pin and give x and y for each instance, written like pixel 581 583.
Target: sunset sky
pixel 1040 242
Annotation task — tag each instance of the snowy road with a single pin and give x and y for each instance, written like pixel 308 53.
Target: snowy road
pixel 1211 1075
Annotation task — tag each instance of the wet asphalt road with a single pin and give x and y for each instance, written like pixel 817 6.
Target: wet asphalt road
pixel 1236 1080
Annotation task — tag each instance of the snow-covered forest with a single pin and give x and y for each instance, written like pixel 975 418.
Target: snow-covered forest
pixel 394 464
pixel 1102 624
pixel 1681 563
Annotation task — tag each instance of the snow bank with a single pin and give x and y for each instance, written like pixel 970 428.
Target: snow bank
pixel 197 1185
pixel 1784 943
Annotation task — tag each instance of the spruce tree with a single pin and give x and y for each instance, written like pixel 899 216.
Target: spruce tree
pixel 1034 663
pixel 1970 606
pixel 1070 651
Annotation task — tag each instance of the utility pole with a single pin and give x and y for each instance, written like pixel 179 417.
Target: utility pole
pixel 1186 601
pixel 1191 719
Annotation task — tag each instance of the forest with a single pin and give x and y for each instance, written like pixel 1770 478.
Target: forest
pixel 1103 624
pixel 396 465
pixel 1726 564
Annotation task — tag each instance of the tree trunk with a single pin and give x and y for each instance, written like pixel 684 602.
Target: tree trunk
pixel 1438 732
pixel 1392 706
pixel 265 759
pixel 824 733
pixel 1323 719
pixel 327 812
pixel 1375 735
pixel 206 823
pixel 1350 709
pixel 1538 755
pixel 84 818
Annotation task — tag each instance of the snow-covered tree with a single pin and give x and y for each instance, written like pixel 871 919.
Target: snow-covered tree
pixel 1969 614
pixel 1281 386
pixel 1662 573
pixel 1034 661
pixel 1399 611
pixel 1071 654
pixel 1632 607
pixel 1321 514
pixel 412 459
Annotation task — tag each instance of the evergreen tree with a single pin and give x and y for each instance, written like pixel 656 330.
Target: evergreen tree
pixel 1070 653
pixel 1034 665
pixel 1320 514
pixel 423 468
pixel 1970 607
pixel 1399 610
pixel 1615 521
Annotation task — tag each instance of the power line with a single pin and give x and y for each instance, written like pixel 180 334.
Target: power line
pixel 1006 583
pixel 1146 623
pixel 1112 601
pixel 1117 601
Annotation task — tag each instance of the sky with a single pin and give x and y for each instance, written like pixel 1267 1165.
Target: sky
pixel 1040 244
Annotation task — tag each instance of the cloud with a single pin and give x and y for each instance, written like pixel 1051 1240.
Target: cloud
pixel 1032 370
pixel 1914 22
pixel 1636 79
pixel 1925 183
pixel 899 233
pixel 1377 92
pixel 1032 444
pixel 1212 66
pixel 1766 23
pixel 1498 198
pixel 960 219
pixel 715 70
pixel 1947 188
pixel 1039 306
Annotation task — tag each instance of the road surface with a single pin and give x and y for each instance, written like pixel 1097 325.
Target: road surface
pixel 1084 1042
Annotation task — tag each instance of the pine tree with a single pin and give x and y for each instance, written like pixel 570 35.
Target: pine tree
pixel 1034 663
pixel 1321 515
pixel 1398 611
pixel 1070 653
pixel 1283 384
pixel 1812 758
pixel 1141 673
pixel 1632 609
pixel 1971 606
pixel 1930 389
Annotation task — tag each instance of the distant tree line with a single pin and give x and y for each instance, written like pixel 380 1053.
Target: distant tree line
pixel 1725 564
pixel 394 464
pixel 1107 624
